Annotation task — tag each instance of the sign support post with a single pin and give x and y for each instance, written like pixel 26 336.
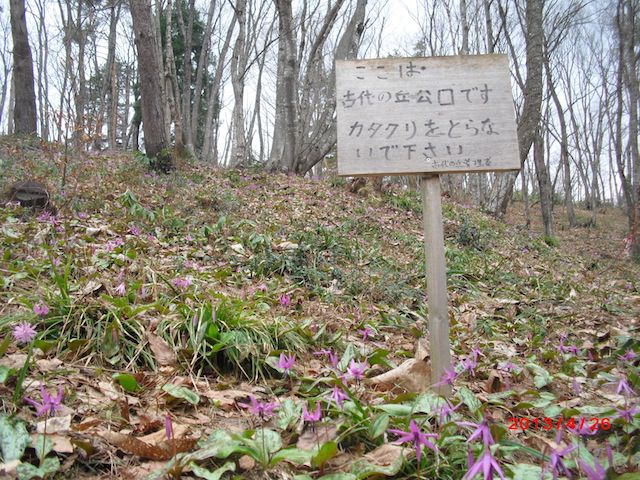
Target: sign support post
pixel 437 297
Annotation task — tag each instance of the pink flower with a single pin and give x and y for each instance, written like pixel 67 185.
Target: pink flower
pixel 627 413
pixel 366 332
pixel 481 430
pixel 41 309
pixel 121 289
pixel 168 426
pixel 333 357
pixel 487 465
pixel 356 369
pixel 182 283
pixel 314 416
pixel 259 409
pixel 24 332
pixel 135 230
pixel 556 457
pixel 49 404
pixel 338 396
pixel 628 355
pixel 285 300
pixel 286 362
pixel 415 435
pixel 447 378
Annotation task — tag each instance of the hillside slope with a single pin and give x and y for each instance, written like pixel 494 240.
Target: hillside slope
pixel 180 295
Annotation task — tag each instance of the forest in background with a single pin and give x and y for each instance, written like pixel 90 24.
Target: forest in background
pixel 252 82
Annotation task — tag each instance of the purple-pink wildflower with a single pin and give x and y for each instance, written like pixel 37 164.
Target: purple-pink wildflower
pixel 182 283
pixel 41 309
pixel 331 355
pixel 24 332
pixel 623 387
pixel 285 300
pixel 628 356
pixel 485 464
pixel 415 435
pixel 285 362
pixel 481 430
pixel 168 426
pixel 446 410
pixel 314 416
pixel 557 455
pixel 598 472
pixel 135 230
pixel 567 348
pixel 49 403
pixel 356 369
pixel 447 378
pixel 263 410
pixel 121 289
pixel 338 396
pixel 627 413
pixel 366 333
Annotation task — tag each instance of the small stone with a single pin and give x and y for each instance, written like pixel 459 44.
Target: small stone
pixel 245 463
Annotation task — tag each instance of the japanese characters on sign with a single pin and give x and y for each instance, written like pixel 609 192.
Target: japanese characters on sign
pixel 420 115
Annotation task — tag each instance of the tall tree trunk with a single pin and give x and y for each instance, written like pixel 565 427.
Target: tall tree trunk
pixel 238 65
pixel 81 95
pixel 149 65
pixel 25 113
pixel 530 116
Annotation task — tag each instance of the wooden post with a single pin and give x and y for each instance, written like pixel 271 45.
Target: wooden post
pixel 436 281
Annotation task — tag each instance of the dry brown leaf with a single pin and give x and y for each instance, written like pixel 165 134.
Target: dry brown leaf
pixel 161 451
pixel 47 365
pixel 321 434
pixel 385 454
pixel 54 425
pixel 494 382
pixel 159 436
pixel 163 353
pixel 61 443
pixel 225 399
pixel 412 376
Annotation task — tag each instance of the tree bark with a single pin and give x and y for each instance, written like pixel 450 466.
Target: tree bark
pixel 25 113
pixel 530 116
pixel 149 65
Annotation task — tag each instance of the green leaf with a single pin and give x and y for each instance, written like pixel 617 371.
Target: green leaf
pixel 216 474
pixel 469 399
pixel 181 392
pixel 378 426
pixel 45 345
pixel 427 403
pixel 14 439
pixel 127 381
pixel 396 410
pixel 525 471
pixel 26 471
pixel 348 355
pixel 545 399
pixel 43 445
pixel 288 414
pixel 379 357
pixel 541 378
pixel 271 440
pixel 293 455
pixel 219 444
pixel 4 345
pixel 6 373
pixel 326 453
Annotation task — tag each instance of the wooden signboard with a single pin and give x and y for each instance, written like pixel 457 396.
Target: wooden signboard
pixel 427 116
pixel 401 116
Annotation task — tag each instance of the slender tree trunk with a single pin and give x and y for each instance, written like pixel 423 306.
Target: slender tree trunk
pixel 238 64
pixel 25 113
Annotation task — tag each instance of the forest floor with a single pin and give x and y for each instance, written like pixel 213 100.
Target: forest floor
pixel 174 302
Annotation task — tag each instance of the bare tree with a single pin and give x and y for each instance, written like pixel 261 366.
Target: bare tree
pixel 150 91
pixel 25 113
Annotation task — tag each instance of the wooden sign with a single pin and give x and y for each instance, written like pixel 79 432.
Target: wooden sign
pixel 400 116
